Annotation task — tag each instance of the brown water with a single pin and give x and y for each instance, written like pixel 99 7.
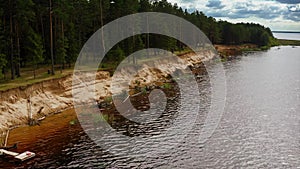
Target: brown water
pixel 259 129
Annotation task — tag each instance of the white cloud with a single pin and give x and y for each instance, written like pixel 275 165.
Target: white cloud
pixel 278 15
pixel 294 8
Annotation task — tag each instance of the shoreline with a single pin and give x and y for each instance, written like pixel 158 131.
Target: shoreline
pixel 287 42
pixel 225 52
pixel 55 95
pixel 228 51
pixel 64 130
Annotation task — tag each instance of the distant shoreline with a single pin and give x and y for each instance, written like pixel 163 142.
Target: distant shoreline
pixel 287 42
pixel 284 32
pixel 227 51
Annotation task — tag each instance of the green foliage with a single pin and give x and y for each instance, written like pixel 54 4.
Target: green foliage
pixel 25 28
pixel 144 90
pixel 116 55
pixel 99 118
pixel 166 86
pixel 245 33
pixel 24 12
pixel 73 122
pixel 108 99
pixel 3 62
pixel 61 50
pixel 73 49
pixel 34 49
pixel 287 42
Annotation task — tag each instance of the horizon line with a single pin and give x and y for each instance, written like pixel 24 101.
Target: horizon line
pixel 281 31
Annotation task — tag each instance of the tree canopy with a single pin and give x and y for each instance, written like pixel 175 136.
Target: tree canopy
pixel 25 27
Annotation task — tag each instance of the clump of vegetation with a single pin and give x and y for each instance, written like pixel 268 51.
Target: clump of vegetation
pixel 166 86
pixel 223 59
pixel 73 122
pixel 144 90
pixel 108 99
pixel 99 118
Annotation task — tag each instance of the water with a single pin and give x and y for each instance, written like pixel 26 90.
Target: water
pixel 259 129
pixel 288 36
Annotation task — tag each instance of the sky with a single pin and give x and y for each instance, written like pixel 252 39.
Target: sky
pixel 279 15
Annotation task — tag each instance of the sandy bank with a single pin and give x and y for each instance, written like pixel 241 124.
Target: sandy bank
pixel 233 50
pixel 55 95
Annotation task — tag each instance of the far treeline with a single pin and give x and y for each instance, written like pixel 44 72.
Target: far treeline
pixel 35 33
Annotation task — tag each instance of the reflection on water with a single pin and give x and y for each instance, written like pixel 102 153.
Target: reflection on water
pixel 259 129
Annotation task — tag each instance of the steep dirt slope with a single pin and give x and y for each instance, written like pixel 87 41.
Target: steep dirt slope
pixel 55 95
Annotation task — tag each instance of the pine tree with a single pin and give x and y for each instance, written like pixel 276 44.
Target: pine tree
pixel 23 16
pixel 61 51
pixel 34 49
pixel 3 60
pixel 73 49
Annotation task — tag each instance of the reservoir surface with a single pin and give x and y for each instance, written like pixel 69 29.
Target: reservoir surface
pixel 260 126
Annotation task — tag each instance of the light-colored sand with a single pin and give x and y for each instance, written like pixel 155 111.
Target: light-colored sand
pixel 52 96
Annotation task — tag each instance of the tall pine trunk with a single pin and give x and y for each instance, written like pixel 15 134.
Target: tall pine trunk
pixel 11 43
pixel 63 38
pixel 51 38
pixel 43 31
pixel 18 74
pixel 101 20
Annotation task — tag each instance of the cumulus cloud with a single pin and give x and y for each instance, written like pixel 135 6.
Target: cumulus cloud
pixel 246 9
pixel 293 15
pixel 215 4
pixel 289 1
pixel 260 11
pixel 268 12
pixel 295 8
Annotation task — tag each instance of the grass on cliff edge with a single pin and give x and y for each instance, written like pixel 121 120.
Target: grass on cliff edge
pixel 41 75
pixel 26 79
